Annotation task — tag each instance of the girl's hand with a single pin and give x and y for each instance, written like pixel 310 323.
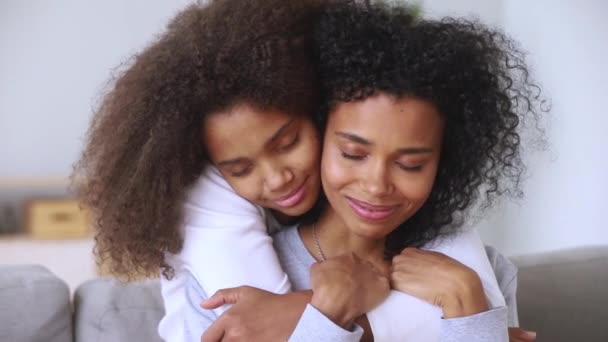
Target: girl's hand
pixel 347 287
pixel 439 280
pixel 256 315
pixel 521 335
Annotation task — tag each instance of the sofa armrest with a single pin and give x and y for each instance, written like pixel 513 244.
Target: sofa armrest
pixel 563 295
pixel 35 305
pixel 107 310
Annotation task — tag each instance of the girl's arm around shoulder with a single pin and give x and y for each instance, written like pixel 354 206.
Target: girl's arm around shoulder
pixel 312 324
pixel 467 248
pixel 226 243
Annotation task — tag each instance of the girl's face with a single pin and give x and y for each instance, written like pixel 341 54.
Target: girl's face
pixel 379 161
pixel 270 158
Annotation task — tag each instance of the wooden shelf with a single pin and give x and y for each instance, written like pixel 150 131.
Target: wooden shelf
pixel 46 181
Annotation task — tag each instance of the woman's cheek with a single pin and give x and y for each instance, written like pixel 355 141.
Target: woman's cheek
pixel 333 170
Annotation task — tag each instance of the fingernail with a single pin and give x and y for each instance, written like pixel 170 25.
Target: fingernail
pixel 529 334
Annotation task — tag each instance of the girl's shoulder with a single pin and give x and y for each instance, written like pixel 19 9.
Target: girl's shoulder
pixel 211 192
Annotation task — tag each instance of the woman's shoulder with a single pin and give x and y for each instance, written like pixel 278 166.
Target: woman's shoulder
pixel 293 256
pixel 505 269
pixel 286 239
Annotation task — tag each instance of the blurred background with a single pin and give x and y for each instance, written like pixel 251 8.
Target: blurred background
pixel 57 55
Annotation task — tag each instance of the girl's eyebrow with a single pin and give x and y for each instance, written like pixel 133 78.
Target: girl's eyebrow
pixel 360 140
pixel 281 130
pixel 228 162
pixel 274 137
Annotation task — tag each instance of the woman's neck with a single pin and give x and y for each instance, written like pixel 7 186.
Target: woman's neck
pixel 284 219
pixel 334 238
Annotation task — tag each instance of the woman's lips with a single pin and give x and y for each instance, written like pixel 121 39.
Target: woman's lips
pixel 292 199
pixel 370 211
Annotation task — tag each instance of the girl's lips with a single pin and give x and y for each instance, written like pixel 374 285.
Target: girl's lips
pixel 370 211
pixel 292 199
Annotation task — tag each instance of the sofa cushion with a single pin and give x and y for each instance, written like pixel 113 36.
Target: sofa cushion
pixel 35 305
pixel 563 295
pixel 107 310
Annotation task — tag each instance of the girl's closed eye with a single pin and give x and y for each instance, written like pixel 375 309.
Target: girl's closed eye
pixel 290 143
pixel 241 171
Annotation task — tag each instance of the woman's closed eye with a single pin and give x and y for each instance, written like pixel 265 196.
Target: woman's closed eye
pixel 353 156
pixel 409 168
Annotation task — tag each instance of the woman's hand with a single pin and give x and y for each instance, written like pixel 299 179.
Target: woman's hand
pixel 439 280
pixel 256 315
pixel 521 335
pixel 346 287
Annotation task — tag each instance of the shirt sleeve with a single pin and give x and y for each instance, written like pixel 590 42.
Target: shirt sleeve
pixel 195 319
pixel 226 241
pixel 489 326
pixel 312 326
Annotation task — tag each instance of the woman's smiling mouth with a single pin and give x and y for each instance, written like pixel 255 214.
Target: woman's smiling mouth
pixel 370 211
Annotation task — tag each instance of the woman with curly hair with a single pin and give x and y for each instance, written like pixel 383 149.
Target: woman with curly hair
pixel 421 121
pixel 171 186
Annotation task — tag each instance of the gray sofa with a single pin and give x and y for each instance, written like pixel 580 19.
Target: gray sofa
pixel 562 295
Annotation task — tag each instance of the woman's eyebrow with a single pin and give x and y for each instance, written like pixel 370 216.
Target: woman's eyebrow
pixel 405 150
pixel 415 150
pixel 354 138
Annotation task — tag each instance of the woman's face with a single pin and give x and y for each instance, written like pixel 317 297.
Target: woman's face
pixel 269 157
pixel 379 161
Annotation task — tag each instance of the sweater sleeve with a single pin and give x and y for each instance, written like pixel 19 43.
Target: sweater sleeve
pixel 315 326
pixel 488 326
pixel 506 275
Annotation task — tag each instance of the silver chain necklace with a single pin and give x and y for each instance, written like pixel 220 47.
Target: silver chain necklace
pixel 315 239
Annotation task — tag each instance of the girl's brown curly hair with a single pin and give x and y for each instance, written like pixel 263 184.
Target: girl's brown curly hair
pixel 144 146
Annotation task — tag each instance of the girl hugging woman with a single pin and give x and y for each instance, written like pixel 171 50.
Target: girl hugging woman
pixel 356 133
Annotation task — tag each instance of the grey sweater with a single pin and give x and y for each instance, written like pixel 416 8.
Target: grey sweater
pixel 314 326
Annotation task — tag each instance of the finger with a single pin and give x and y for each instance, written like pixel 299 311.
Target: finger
pixel 215 332
pixel 522 334
pixel 409 250
pixel 222 297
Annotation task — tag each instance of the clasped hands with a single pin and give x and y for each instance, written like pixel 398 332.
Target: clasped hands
pixel 344 289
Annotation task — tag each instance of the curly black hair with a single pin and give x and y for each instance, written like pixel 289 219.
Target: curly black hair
pixel 144 145
pixel 474 75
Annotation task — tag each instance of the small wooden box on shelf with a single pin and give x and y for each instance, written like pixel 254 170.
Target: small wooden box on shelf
pixel 56 219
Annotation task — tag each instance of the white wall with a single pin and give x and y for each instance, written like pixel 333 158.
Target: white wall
pixel 566 201
pixel 56 54
pixel 54 58
pixel 489 11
